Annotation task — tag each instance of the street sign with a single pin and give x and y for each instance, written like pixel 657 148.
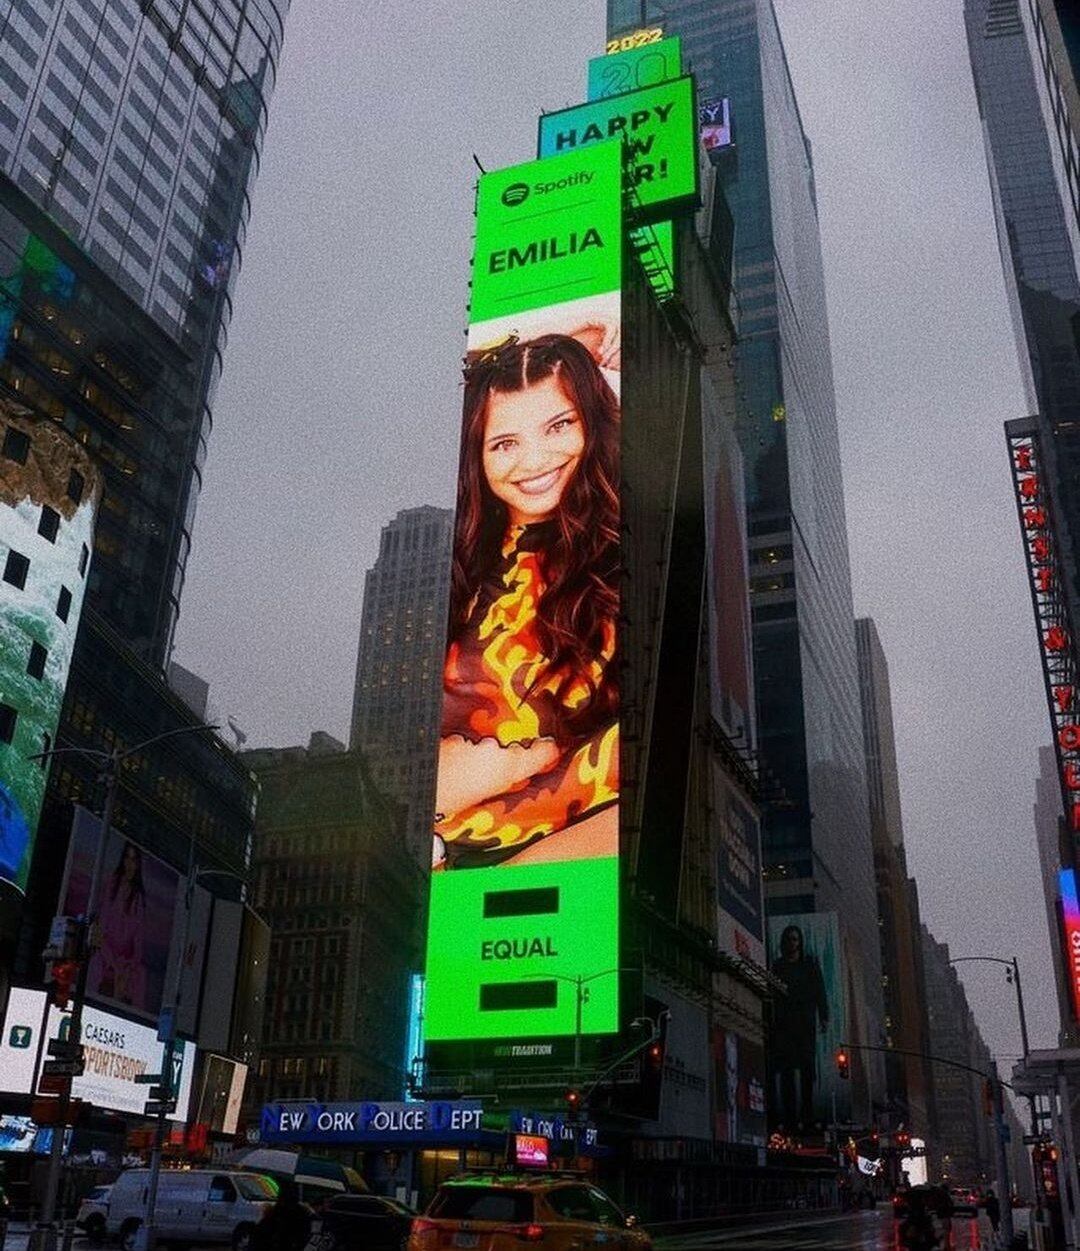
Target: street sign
pixel 166 1024
pixel 63 1068
pixel 49 1084
pixel 159 1093
pixel 65 1049
pixel 146 1079
pixel 155 1108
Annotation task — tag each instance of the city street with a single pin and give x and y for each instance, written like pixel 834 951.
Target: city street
pixel 857 1231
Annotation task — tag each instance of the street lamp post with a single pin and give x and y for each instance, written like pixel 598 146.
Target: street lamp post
pixel 43 1238
pixel 579 982
pixel 1012 973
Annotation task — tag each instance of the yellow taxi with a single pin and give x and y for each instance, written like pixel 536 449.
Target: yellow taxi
pixel 503 1211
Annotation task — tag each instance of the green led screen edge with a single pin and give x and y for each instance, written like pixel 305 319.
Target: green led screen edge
pixel 508 940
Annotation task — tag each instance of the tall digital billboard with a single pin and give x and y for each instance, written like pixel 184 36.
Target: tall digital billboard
pixel 809 1021
pixel 523 924
pixel 49 492
pixel 1070 920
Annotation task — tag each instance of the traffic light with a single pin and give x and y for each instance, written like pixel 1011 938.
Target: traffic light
pixel 843 1065
pixel 655 1055
pixel 63 975
pixel 573 1100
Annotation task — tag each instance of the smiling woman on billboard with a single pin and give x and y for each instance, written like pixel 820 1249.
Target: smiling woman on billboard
pixel 528 761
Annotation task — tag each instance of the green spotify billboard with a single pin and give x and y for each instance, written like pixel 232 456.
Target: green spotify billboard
pixel 525 880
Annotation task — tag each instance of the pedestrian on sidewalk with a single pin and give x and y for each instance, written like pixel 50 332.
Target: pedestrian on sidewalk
pixel 993 1210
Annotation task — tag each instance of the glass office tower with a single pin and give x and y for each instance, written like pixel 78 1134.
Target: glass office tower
pixel 131 129
pixel 817 841
pixel 129 140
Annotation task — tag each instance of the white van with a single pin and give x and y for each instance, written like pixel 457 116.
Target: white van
pixel 197 1205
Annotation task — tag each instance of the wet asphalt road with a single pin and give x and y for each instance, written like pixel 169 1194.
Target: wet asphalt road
pixel 858 1231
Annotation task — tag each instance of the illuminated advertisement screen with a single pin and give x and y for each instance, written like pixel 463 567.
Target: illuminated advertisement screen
pixel 646 65
pixel 1070 919
pixel 809 1020
pixel 644 36
pixel 530 1151
pixel 525 879
pixel 117 1052
pixel 659 128
pixel 135 916
pixel 49 491
pixel 714 117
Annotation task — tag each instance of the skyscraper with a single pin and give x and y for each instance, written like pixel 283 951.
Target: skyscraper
pixel 129 139
pixel 342 897
pixel 1038 234
pixel 962 1149
pixel 816 841
pixel 397 699
pixel 907 1074
pixel 1024 58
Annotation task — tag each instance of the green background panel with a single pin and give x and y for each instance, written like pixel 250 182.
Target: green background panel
pixel 659 126
pixel 532 210
pixel 584 933
pixel 619 72
pixel 655 246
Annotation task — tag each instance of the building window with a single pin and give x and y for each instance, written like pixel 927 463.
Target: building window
pixel 16 568
pixel 63 604
pixel 49 524
pixel 84 557
pixel 75 487
pixel 8 717
pixel 16 445
pixel 35 666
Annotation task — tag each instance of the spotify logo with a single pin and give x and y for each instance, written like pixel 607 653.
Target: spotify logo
pixel 517 193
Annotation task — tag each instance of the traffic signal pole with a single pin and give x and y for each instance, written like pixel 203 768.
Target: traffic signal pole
pixel 1000 1126
pixel 43 1238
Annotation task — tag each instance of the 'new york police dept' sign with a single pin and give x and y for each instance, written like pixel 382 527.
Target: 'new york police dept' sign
pixel 449 1121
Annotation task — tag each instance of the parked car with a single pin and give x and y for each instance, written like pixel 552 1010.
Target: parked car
pixel 198 1205
pixel 363 1223
pixel 499 1212
pixel 93 1213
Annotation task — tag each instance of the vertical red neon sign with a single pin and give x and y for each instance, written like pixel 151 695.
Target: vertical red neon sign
pixel 1070 919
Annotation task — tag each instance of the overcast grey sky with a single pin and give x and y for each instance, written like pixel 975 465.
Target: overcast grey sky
pixel 340 400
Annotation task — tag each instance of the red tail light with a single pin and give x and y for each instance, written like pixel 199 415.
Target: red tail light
pixel 530 1233
pixel 424 1231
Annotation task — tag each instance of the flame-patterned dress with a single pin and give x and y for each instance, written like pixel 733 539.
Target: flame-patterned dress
pixel 493 689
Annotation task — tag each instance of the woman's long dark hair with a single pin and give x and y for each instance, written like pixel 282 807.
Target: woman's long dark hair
pixel 580 564
pixel 136 890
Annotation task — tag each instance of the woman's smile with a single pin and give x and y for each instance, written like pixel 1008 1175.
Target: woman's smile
pixel 542 482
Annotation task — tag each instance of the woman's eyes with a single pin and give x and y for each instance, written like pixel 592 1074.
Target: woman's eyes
pixel 557 427
pixel 503 445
